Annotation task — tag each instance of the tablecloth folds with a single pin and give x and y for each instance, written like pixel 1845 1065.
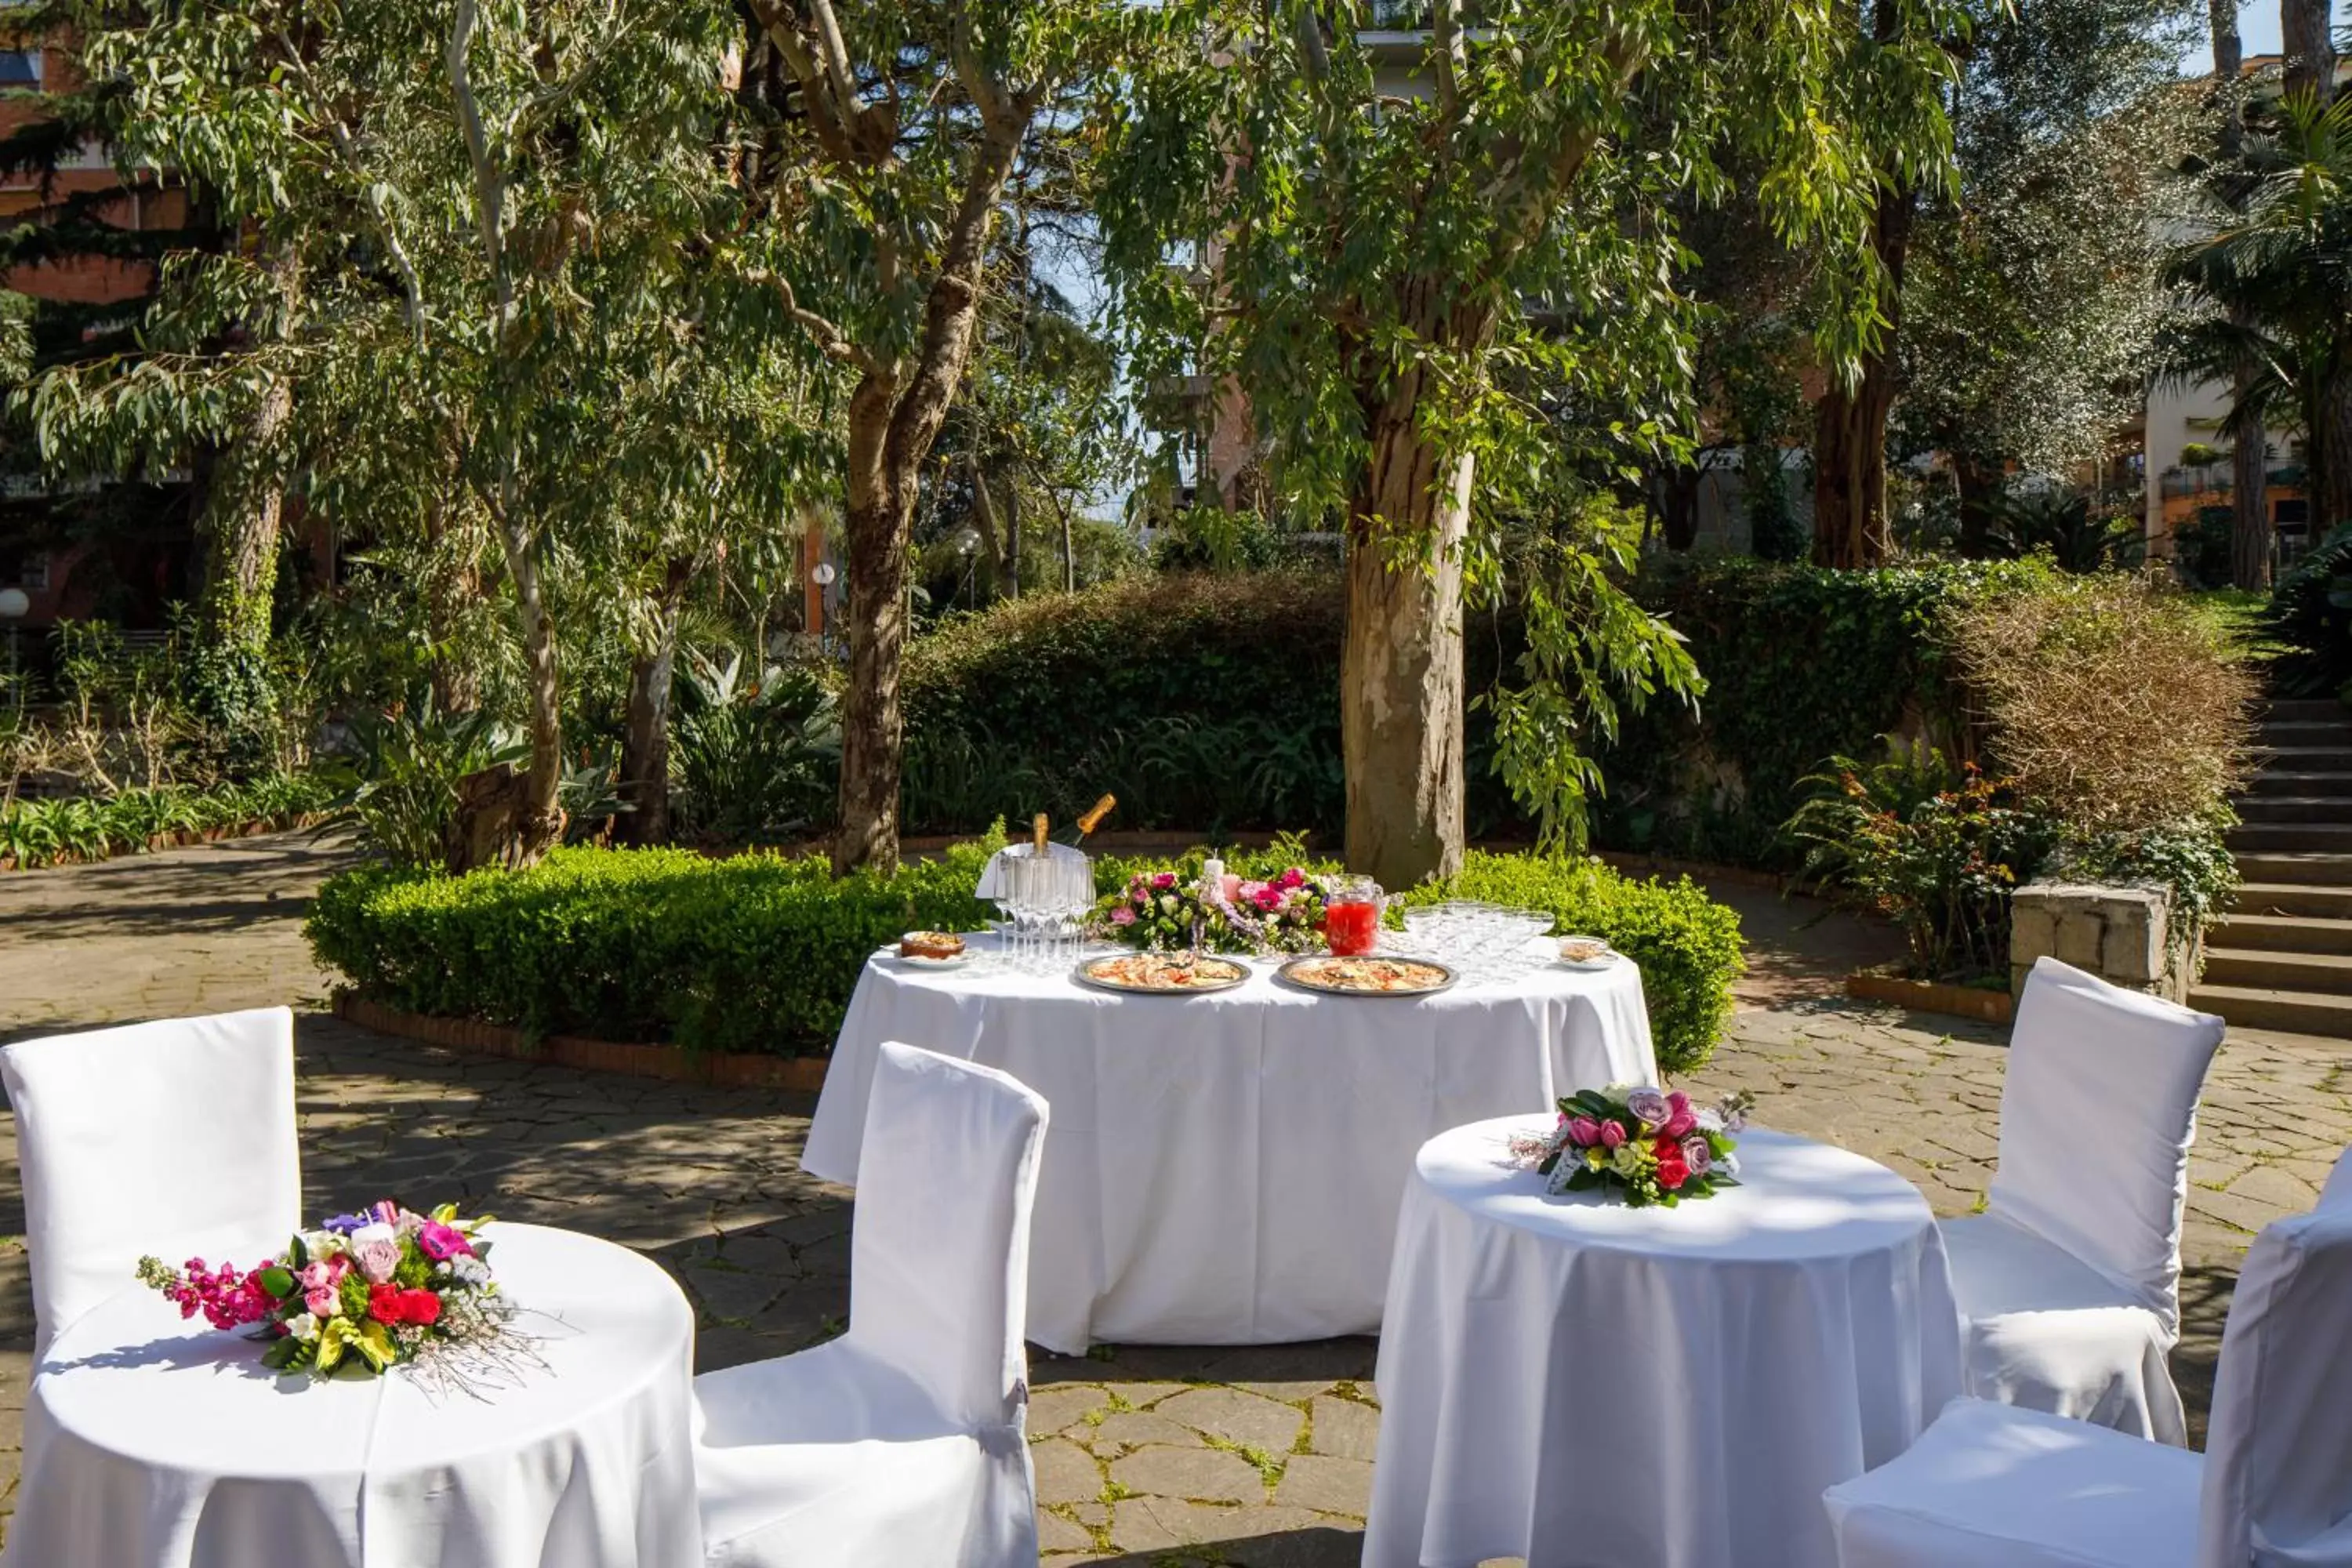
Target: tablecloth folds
pixel 1225 1169
pixel 161 1443
pixel 1570 1380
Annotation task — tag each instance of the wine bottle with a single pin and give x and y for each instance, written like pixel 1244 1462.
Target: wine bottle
pixel 1037 829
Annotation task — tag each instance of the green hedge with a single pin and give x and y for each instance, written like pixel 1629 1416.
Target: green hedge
pixel 760 954
pixel 1211 703
pixel 1802 663
pixel 43 832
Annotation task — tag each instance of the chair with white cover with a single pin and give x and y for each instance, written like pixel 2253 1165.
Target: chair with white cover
pixel 175 1137
pixel 904 1440
pixel 1991 1486
pixel 2069 1284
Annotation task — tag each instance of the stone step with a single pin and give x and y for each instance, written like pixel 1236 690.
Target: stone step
pixel 2301 758
pixel 2293 1012
pixel 2302 867
pixel 2304 708
pixel 2327 973
pixel 2284 781
pixel 2280 933
pixel 2335 732
pixel 2302 808
pixel 2325 837
pixel 2292 901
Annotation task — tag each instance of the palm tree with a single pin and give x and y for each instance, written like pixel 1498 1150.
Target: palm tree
pixel 2269 293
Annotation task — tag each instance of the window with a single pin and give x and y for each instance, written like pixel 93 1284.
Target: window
pixel 20 68
pixel 2294 513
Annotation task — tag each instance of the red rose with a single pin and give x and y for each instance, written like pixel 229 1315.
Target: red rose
pixel 1673 1170
pixel 423 1307
pixel 387 1303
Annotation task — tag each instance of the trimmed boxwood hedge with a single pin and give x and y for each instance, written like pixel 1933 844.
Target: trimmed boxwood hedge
pixel 760 952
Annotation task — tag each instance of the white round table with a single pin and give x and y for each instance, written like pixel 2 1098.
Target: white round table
pixel 155 1442
pixel 1582 1384
pixel 1224 1169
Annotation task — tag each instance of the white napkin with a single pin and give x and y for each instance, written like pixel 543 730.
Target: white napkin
pixel 992 880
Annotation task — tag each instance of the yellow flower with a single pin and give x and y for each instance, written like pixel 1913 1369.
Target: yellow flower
pixel 1595 1158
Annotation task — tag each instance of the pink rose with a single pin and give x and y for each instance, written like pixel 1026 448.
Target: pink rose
pixel 321 1302
pixel 1230 887
pixel 376 1259
pixel 1122 916
pixel 1584 1133
pixel 1294 878
pixel 1165 880
pixel 1612 1134
pixel 1680 1125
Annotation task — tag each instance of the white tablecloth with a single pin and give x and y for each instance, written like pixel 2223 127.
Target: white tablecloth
pixel 1225 1169
pixel 1588 1385
pixel 151 1442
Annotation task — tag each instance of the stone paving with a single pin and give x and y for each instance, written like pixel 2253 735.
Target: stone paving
pixel 1144 1455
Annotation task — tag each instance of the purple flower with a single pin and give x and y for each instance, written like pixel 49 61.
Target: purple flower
pixel 1650 1106
pixel 344 1224
pixel 376 1259
pixel 1698 1155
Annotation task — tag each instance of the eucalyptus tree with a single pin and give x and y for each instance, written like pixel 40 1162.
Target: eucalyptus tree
pixel 1447 285
pixel 898 129
pixel 502 220
pixel 2033 293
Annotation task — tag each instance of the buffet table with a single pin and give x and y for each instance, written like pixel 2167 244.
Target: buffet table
pixel 1225 1169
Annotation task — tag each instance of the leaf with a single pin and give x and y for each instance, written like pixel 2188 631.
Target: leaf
pixel 278 1282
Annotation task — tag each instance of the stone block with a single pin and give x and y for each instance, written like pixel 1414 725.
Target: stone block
pixel 2032 929
pixel 2082 938
pixel 2120 933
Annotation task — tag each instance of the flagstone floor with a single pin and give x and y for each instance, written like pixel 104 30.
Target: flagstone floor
pixel 1144 1455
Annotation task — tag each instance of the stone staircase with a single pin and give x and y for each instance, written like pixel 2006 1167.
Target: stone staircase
pixel 2282 958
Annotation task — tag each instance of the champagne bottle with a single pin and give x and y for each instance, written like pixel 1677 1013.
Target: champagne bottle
pixel 1095 813
pixel 1037 830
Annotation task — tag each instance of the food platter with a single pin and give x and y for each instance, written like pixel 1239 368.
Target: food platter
pixel 1371 976
pixel 1161 973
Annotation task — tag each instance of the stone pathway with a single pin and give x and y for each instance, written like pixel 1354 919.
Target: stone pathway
pixel 1145 1455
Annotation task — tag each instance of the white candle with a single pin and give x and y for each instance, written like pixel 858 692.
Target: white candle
pixel 1213 871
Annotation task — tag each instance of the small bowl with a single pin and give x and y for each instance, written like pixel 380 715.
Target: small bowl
pixel 1586 953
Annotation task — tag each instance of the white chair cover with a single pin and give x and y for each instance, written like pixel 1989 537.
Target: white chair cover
pixel 2070 1282
pixel 2278 1465
pixel 174 1138
pixel 1996 1487
pixel 903 1441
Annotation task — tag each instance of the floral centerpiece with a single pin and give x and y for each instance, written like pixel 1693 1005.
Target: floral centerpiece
pixel 1161 910
pixel 1648 1145
pixel 373 1290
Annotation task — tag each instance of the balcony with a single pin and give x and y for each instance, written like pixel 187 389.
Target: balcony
pixel 2216 479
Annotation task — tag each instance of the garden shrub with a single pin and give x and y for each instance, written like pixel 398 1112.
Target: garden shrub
pixel 2311 613
pixel 42 832
pixel 760 952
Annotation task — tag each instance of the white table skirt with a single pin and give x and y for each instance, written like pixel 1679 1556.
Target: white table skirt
pixel 1225 1169
pixel 152 1442
pixel 1587 1385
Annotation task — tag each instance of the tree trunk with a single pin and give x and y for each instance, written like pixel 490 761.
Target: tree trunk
pixel 1401 695
pixel 2310 48
pixel 1677 493
pixel 894 419
pixel 984 517
pixel 1978 484
pixel 2250 510
pixel 2229 65
pixel 1069 557
pixel 2331 454
pixel 1850 522
pixel 453 582
pixel 644 783
pixel 1012 539
pixel 539 819
pixel 880 523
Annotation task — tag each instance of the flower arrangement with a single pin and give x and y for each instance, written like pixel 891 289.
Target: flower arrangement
pixel 372 1290
pixel 1158 910
pixel 1650 1146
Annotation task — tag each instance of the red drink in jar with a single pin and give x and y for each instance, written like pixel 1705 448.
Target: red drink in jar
pixel 1351 918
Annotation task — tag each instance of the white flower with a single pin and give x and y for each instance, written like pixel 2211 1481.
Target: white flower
pixel 322 1245
pixel 303 1326
pixel 376 1232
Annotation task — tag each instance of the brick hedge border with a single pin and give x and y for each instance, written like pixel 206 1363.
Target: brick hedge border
pixel 720 1069
pixel 1927 996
